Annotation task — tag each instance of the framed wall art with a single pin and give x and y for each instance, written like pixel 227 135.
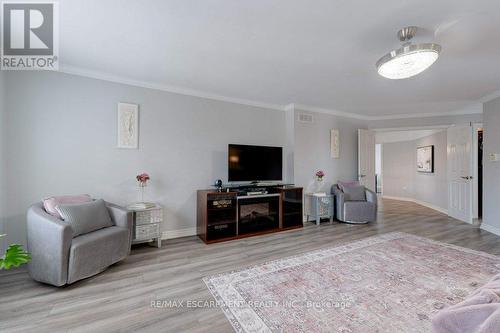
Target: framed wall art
pixel 334 143
pixel 128 126
pixel 425 159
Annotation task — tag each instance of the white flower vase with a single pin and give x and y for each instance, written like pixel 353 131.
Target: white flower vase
pixel 142 204
pixel 318 185
pixel 142 186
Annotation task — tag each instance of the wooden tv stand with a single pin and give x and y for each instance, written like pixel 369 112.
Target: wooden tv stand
pixel 223 216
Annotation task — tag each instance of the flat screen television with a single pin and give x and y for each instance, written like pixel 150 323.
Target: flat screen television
pixel 254 163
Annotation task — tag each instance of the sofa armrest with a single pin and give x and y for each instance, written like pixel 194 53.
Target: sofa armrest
pixel 371 196
pixel 49 241
pixel 339 203
pixel 373 199
pixel 121 217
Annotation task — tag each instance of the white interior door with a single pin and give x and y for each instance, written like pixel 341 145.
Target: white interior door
pixel 460 173
pixel 366 158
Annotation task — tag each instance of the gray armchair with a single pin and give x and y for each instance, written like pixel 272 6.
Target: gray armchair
pixel 359 210
pixel 58 259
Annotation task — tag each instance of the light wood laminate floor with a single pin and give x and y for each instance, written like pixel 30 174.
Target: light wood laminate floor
pixel 119 300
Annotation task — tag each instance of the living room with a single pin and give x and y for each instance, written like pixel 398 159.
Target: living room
pixel 143 108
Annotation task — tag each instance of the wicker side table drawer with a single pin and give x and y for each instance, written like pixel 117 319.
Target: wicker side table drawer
pixel 148 216
pixel 147 231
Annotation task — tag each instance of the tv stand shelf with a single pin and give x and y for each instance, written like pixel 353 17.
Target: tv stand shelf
pixel 223 216
pixel 243 197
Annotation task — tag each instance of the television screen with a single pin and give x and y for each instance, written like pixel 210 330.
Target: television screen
pixel 254 163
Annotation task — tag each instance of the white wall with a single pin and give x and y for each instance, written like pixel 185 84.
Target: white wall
pixel 398 169
pixel 312 149
pixel 491 170
pixel 401 178
pixel 64 130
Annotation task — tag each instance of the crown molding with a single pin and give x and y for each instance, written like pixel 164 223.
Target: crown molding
pixel 290 107
pixel 171 89
pixel 309 108
pixel 99 75
pixel 411 128
pixel 474 108
pixel 490 97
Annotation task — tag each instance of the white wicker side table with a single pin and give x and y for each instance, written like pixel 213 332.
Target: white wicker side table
pixel 147 225
pixel 319 205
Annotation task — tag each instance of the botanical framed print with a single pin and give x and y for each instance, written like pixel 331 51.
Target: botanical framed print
pixel 425 159
pixel 334 143
pixel 128 126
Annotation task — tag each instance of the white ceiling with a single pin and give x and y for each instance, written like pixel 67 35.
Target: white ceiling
pixel 318 53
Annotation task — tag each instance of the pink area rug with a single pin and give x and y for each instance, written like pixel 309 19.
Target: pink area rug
pixel 390 283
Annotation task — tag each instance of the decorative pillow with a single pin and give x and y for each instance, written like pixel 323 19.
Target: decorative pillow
pixel 50 204
pixel 86 217
pixel 351 183
pixel 355 193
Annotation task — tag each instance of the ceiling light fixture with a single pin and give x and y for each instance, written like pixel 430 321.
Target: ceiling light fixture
pixel 410 59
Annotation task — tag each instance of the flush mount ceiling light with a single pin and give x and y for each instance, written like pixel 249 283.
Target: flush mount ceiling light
pixel 410 59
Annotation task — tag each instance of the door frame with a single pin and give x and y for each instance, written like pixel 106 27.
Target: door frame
pixel 474 145
pixel 381 166
pixel 398 129
pixel 370 155
pixel 475 169
pixel 467 219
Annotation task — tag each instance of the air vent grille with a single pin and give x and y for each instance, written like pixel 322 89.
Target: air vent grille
pixel 306 118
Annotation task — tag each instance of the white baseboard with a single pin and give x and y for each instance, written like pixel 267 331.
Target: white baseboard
pixel 418 202
pixel 178 233
pixel 490 228
pixel 398 198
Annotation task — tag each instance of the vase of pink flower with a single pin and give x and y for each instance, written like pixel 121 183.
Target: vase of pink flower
pixel 319 180
pixel 143 179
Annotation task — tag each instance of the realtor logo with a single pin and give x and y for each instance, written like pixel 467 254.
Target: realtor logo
pixel 29 36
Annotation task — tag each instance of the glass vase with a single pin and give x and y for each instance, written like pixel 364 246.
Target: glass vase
pixel 142 190
pixel 318 185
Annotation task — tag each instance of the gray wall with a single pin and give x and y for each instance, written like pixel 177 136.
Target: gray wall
pixel 491 170
pixel 65 143
pixel 433 187
pixel 398 169
pixel 64 130
pixel 63 134
pixel 3 159
pixel 312 149
pixel 400 176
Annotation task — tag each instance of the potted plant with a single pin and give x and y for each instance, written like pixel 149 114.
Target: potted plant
pixel 14 256
pixel 319 180
pixel 143 182
pixel 142 179
pixel 319 175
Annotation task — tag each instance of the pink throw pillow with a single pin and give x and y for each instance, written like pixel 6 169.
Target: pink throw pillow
pixel 351 183
pixel 51 203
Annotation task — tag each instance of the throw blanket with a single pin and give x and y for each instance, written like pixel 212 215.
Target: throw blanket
pixel 479 313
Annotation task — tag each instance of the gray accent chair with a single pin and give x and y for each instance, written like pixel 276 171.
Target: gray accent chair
pixel 355 211
pixel 58 259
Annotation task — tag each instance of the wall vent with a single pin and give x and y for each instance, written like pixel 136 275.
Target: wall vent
pixel 306 118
